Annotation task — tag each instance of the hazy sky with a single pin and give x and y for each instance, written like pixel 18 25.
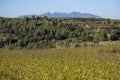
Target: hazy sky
pixel 103 8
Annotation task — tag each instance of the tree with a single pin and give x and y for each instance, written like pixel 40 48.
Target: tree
pixel 83 38
pixel 103 35
pixel 115 34
pixel 96 38
pixel 26 19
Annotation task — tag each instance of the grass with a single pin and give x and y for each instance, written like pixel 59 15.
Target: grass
pixel 84 63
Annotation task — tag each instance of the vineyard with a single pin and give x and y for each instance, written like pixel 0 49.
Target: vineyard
pixel 83 63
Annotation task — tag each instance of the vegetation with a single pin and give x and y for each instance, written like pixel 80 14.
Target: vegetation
pixel 62 49
pixel 84 63
pixel 44 32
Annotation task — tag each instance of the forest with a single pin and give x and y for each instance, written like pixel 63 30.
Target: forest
pixel 42 32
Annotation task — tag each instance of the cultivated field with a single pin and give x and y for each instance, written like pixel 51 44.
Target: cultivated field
pixel 84 63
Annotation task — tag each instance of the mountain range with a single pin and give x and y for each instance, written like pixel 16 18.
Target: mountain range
pixel 65 15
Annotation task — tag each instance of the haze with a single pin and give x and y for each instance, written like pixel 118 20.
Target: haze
pixel 103 8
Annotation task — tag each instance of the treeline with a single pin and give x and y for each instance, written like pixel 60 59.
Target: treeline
pixel 43 32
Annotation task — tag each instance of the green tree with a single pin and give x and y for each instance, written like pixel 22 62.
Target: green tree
pixel 96 38
pixel 115 34
pixel 103 35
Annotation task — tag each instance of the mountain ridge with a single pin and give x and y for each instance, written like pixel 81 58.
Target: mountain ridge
pixel 65 15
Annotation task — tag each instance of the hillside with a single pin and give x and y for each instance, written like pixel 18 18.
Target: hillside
pixel 79 48
pixel 43 32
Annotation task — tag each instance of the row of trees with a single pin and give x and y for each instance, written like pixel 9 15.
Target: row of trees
pixel 43 32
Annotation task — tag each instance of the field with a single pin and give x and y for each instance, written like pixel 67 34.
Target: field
pixel 84 63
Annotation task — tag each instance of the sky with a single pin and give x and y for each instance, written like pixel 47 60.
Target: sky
pixel 103 8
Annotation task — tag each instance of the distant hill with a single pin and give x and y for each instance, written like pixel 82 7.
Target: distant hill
pixel 65 15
